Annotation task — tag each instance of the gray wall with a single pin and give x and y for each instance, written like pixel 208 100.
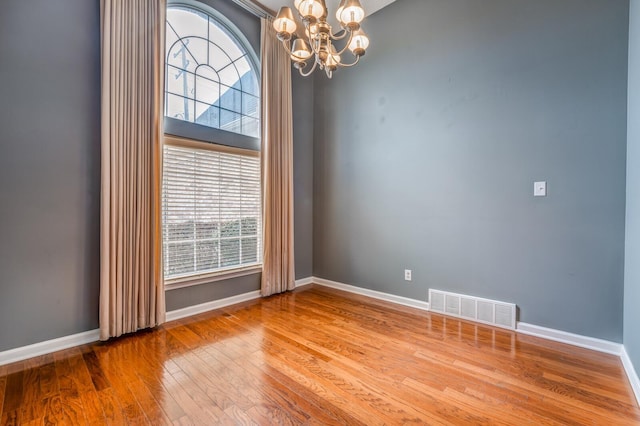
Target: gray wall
pixel 303 100
pixel 49 169
pixel 632 253
pixel 426 153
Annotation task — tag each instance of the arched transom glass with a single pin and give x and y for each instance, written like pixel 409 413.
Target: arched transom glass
pixel 210 78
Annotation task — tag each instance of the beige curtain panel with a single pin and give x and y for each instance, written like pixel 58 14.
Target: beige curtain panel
pixel 278 273
pixel 131 280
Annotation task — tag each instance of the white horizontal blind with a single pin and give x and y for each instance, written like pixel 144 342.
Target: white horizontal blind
pixel 211 211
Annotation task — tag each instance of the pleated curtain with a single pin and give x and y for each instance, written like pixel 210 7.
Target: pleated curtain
pixel 278 273
pixel 131 277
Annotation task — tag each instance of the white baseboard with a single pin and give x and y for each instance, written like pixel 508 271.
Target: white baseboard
pixel 419 304
pixel 48 346
pixel 304 281
pixel 66 342
pixel 570 338
pixel 631 373
pixel 210 306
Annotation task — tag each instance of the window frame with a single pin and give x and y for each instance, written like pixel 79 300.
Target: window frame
pixel 196 278
pixel 198 131
pixel 186 134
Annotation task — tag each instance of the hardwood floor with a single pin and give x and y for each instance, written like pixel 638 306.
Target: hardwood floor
pixel 319 356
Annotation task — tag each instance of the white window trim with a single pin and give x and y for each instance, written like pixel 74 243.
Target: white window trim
pixel 192 143
pixel 194 279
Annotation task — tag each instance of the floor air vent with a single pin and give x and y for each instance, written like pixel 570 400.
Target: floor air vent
pixel 487 311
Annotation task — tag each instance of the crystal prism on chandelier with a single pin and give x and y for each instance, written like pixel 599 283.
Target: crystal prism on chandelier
pixel 318 46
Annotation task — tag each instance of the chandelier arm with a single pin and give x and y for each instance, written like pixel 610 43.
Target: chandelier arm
pixel 310 38
pixel 347 45
pixel 349 65
pixel 313 68
pixel 341 36
pixel 315 45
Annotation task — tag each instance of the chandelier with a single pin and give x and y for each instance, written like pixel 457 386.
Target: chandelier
pixel 319 44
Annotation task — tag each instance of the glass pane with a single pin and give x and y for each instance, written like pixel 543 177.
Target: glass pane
pixel 207 229
pixel 230 228
pixel 179 258
pixel 250 105
pixel 249 226
pixel 207 115
pixel 179 55
pixel 207 255
pixel 224 40
pixel 180 82
pixel 244 70
pixel 207 72
pixel 229 77
pixel 249 250
pixel 231 99
pixel 179 107
pixel 177 231
pixel 218 58
pixel 170 37
pixel 207 91
pixel 229 253
pixel 197 47
pixel 251 127
pixel 187 21
pixel 230 121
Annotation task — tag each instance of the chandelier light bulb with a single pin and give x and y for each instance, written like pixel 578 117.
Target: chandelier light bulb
pixel 339 11
pixel 311 9
pixel 352 14
pixel 359 43
pixel 284 24
pixel 300 50
pixel 333 59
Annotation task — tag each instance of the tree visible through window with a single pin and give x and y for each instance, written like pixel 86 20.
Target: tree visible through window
pixel 211 194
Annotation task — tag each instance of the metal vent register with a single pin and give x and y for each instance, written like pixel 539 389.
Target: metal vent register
pixel 500 314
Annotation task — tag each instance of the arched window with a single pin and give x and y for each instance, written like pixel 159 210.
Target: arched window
pixel 211 206
pixel 211 78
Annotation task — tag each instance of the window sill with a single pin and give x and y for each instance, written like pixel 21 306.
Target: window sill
pixel 191 280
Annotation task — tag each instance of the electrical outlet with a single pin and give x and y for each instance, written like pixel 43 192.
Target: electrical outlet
pixel 540 189
pixel 407 274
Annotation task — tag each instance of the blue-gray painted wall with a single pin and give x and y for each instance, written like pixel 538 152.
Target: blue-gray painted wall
pixel 49 169
pixel 632 252
pixel 426 153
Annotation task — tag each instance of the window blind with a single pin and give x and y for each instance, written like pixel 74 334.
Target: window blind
pixel 211 211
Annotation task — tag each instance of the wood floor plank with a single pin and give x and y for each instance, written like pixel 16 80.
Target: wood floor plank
pixel 3 385
pixel 92 362
pixel 11 408
pixel 319 356
pixel 113 412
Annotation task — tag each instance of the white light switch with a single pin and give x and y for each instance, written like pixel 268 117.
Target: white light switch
pixel 540 189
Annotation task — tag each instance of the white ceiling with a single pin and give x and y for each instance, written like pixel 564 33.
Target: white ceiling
pixel 369 6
